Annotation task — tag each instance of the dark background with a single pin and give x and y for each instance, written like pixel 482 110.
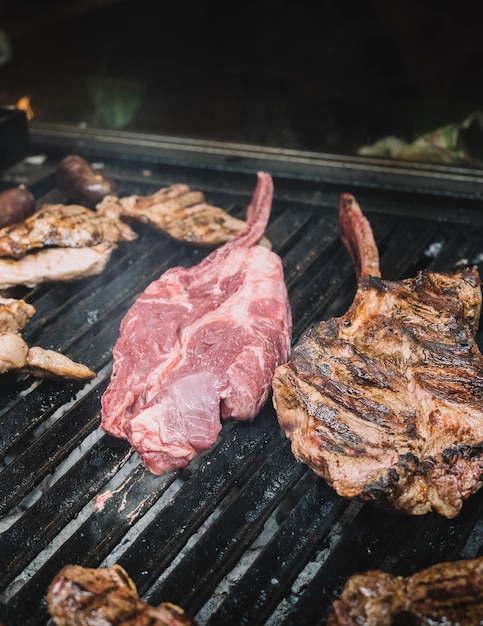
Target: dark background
pixel 328 76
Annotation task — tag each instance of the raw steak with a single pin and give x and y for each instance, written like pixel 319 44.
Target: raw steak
pixel 386 401
pixel 199 343
pixel 17 356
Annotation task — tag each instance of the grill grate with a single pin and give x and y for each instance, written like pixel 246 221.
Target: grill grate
pixel 245 534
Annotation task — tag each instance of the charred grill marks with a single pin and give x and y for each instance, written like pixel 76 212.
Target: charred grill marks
pixel 381 400
pixel 446 593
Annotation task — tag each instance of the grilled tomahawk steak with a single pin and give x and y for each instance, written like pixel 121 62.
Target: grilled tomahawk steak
pixel 199 343
pixel 445 594
pixel 386 401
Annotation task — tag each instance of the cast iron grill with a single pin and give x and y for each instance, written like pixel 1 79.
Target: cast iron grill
pixel 245 534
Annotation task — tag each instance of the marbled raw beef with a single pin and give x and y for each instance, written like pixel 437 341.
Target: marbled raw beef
pixel 201 343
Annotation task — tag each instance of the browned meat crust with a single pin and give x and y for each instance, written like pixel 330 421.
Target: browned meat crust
pixel 14 314
pixel 179 212
pixel 80 596
pixel 386 401
pixel 446 594
pixel 70 226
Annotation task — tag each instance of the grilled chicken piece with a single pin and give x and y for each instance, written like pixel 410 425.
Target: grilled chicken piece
pixel 446 594
pixel 59 242
pixel 15 355
pixel 50 364
pixel 67 226
pixel 181 213
pixel 13 352
pixel 14 314
pixel 51 264
pixel 80 596
pixel 386 401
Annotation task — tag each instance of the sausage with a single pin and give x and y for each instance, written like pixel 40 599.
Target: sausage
pixel 16 204
pixel 82 182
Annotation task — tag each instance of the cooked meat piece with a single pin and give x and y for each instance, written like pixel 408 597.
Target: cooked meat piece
pixel 13 351
pixel 197 342
pixel 181 213
pixel 81 596
pixel 16 204
pixel 54 264
pixel 15 355
pixel 82 181
pixel 157 208
pixel 69 226
pixel 386 401
pixel 50 364
pixel 14 314
pixel 446 594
